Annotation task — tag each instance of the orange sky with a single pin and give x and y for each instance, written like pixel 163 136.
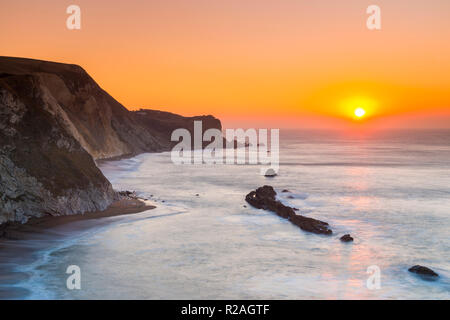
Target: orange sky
pixel 285 63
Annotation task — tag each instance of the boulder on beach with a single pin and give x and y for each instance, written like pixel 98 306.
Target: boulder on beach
pixel 346 238
pixel 423 271
pixel 265 198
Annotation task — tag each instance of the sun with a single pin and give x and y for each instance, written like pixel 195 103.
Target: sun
pixel 360 112
pixel 358 107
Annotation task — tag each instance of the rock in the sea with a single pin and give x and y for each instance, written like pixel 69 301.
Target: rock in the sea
pixel 423 271
pixel 270 173
pixel 311 225
pixel 346 238
pixel 265 198
pixel 285 191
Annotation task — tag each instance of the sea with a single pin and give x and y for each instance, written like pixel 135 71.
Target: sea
pixel 390 190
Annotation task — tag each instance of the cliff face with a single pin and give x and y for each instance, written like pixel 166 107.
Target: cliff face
pixel 161 124
pixel 101 124
pixel 54 121
pixel 43 168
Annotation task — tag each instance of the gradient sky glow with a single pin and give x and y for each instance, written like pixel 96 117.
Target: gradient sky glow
pixel 285 63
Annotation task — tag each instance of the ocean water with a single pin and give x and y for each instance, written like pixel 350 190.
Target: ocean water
pixel 390 191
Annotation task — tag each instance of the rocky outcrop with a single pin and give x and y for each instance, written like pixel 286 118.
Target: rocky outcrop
pixel 423 271
pixel 55 120
pixel 346 238
pixel 265 198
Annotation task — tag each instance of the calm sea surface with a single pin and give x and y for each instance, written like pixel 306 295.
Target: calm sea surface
pixel 390 191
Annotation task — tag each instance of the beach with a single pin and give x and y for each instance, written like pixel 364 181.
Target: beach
pixel 18 231
pixel 19 243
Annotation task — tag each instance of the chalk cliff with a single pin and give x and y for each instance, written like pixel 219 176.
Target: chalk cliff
pixel 55 120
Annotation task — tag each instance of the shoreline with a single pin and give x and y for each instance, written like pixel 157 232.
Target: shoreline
pixel 20 242
pixel 18 231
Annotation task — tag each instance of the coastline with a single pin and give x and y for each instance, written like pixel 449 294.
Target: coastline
pixel 19 243
pixel 18 231
pixel 248 229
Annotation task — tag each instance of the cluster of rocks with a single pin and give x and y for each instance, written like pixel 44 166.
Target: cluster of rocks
pixel 127 195
pixel 265 198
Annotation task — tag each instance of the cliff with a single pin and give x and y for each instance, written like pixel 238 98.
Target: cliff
pixel 43 168
pixel 55 120
pixel 161 124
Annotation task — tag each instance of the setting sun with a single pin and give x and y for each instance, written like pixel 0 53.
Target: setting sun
pixel 360 112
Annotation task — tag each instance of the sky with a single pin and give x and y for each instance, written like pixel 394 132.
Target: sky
pixel 252 63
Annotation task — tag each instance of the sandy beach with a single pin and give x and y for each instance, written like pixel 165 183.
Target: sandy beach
pixel 14 244
pixel 17 231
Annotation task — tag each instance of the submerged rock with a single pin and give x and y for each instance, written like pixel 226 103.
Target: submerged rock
pixel 346 238
pixel 270 173
pixel 423 271
pixel 264 198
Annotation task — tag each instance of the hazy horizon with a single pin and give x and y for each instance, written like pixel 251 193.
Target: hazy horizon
pixel 288 64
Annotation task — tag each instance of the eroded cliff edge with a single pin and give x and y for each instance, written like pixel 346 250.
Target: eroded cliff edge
pixel 55 120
